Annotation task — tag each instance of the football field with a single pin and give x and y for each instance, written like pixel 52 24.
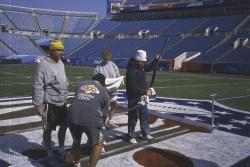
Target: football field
pixel 183 96
pixel 16 80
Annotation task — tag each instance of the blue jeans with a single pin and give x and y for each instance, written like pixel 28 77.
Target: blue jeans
pixel 142 113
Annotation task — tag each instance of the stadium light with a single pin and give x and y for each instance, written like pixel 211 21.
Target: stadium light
pixel 246 43
pixel 239 43
pixel 120 36
pixel 143 33
pixel 4 28
pixel 94 34
pixel 211 30
pixel 45 31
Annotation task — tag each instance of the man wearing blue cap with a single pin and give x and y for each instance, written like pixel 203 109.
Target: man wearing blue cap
pixel 49 94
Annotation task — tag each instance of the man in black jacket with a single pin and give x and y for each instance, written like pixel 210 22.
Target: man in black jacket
pixel 137 92
pixel 87 114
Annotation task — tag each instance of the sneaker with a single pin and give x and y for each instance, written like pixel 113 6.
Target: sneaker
pixel 133 141
pixel 148 137
pixel 103 150
pixel 77 164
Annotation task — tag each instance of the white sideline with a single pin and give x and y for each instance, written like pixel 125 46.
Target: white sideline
pixel 13 109
pixel 5 103
pixel 17 121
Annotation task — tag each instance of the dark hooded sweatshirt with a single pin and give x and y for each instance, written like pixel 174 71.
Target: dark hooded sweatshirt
pixel 136 85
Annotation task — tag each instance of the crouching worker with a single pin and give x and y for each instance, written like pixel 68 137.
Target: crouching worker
pixel 87 114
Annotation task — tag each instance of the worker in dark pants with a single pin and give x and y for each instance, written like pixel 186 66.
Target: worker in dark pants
pixel 137 93
pixel 87 114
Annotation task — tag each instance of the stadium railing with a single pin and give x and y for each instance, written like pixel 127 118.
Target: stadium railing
pixel 214 99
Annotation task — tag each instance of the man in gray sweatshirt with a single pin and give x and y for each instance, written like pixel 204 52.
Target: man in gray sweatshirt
pixel 110 70
pixel 49 93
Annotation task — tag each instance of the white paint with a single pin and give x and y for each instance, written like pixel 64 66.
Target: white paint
pixel 17 121
pixel 13 109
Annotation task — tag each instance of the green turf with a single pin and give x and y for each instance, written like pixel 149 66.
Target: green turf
pixel 16 80
pixel 20 127
pixel 18 114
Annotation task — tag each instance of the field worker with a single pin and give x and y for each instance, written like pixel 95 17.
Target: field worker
pixel 137 90
pixel 49 93
pixel 87 114
pixel 110 70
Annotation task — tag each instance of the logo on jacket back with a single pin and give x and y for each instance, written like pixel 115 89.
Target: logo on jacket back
pixel 90 89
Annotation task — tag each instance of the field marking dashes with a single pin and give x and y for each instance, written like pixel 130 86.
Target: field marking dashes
pixel 13 109
pixel 18 121
pixel 198 85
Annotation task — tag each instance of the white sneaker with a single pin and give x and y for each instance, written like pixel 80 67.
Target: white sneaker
pixel 103 150
pixel 77 164
pixel 148 137
pixel 133 141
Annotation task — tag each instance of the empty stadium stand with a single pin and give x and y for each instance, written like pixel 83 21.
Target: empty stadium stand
pixel 203 41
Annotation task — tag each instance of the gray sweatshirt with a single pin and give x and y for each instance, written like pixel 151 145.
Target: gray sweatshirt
pixel 109 70
pixel 50 83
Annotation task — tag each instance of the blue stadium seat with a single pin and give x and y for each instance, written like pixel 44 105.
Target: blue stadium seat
pixel 23 21
pixel 20 43
pixel 192 44
pixel 126 27
pixel 105 25
pixel 224 23
pixel 5 51
pixel 77 25
pixel 53 23
pixel 71 44
pixel 5 21
pixel 180 26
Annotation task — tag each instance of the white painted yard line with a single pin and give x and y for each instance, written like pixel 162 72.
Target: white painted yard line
pixel 16 84
pixel 204 76
pixel 13 109
pixel 189 79
pixel 159 80
pixel 199 85
pixel 8 73
pixel 28 77
pixel 23 83
pixel 175 108
pixel 229 98
pixel 18 121
pixel 15 102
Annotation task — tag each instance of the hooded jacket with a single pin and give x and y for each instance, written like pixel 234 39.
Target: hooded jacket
pixel 136 85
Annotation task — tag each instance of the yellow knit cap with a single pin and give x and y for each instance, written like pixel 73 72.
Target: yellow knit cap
pixel 56 44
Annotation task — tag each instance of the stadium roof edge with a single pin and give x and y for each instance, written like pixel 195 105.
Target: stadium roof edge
pixel 49 10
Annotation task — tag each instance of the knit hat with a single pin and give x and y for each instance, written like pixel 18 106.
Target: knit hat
pixel 52 44
pixel 100 78
pixel 140 55
pixel 56 44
